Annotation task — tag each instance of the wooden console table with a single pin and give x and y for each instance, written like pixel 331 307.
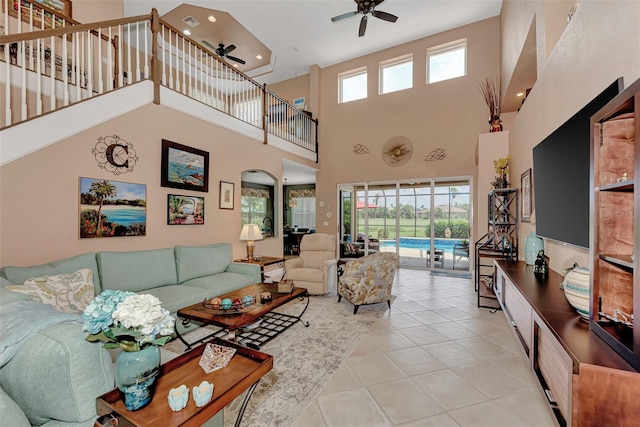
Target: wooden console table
pixel 243 372
pixel 585 381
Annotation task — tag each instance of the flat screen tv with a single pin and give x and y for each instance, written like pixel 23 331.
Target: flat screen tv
pixel 561 170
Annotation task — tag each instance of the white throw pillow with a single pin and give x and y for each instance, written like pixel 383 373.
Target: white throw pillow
pixel 69 293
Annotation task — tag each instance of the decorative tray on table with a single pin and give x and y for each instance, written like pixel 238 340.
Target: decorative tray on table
pixel 229 305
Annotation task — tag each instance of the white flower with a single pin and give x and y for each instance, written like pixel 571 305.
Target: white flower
pixel 144 313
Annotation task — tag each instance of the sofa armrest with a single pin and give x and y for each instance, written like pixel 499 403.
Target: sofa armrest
pixel 290 264
pixel 252 270
pixel 12 414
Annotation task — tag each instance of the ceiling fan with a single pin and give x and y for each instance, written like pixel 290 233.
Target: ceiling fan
pixel 224 53
pixel 366 7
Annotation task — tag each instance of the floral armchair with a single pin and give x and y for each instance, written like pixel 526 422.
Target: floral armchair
pixel 368 280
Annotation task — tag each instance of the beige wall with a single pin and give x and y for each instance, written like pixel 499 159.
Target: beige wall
pixel 447 115
pixel 39 192
pixel 600 44
pixel 293 88
pixel 86 11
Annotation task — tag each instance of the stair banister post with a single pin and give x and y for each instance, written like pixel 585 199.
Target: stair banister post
pixel 155 61
pixel 264 112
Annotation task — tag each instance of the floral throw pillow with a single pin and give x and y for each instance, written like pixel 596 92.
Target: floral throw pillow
pixel 69 293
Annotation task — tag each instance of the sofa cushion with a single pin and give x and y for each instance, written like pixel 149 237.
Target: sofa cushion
pixel 12 415
pixel 221 283
pixel 57 375
pixel 137 271
pixel 200 261
pixel 306 274
pixel 69 293
pixel 17 275
pixel 175 297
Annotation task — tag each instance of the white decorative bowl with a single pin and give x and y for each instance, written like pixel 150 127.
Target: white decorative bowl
pixel 576 285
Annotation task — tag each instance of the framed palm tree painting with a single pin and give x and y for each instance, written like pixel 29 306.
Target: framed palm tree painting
pixel 112 208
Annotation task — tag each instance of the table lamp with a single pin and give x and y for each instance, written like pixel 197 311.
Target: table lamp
pixel 250 233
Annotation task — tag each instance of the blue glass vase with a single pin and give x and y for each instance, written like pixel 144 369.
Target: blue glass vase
pixel 136 373
pixel 532 245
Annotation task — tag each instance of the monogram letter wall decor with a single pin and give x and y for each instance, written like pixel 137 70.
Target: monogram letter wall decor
pixel 115 155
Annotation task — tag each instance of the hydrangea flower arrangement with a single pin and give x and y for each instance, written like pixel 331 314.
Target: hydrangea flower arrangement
pixel 127 320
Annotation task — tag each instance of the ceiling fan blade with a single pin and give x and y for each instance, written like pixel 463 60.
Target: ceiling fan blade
pixel 343 16
pixel 363 26
pixel 378 2
pixel 238 60
pixel 384 16
pixel 229 48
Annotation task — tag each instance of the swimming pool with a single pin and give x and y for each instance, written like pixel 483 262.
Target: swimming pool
pixel 417 243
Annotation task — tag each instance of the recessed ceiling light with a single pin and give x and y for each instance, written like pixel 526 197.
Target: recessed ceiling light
pixel 258 56
pixel 235 65
pixel 211 18
pixel 186 32
pixel 520 94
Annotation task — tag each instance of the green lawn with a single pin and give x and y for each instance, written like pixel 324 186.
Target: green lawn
pixel 416 228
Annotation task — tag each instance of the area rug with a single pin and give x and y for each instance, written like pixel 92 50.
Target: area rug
pixel 305 359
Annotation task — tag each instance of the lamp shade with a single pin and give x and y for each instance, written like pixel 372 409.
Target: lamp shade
pixel 250 232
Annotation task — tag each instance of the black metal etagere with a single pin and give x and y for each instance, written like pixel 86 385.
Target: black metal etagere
pixel 501 241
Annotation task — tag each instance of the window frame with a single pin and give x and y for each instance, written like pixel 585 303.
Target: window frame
pixel 447 48
pixel 393 62
pixel 349 74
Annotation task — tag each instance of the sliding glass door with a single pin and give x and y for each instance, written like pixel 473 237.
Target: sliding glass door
pixel 426 223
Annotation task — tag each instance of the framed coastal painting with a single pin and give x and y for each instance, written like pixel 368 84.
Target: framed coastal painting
pixel 226 195
pixel 527 187
pixel 112 208
pixel 184 167
pixel 185 210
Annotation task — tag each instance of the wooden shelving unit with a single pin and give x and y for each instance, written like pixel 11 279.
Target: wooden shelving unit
pixel 500 242
pixel 615 163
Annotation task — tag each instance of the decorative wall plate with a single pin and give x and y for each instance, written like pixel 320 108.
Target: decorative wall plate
pixel 397 151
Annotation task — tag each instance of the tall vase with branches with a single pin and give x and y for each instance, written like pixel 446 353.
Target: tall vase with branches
pixel 490 89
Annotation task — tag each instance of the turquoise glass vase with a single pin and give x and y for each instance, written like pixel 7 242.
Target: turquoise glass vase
pixel 136 373
pixel 532 245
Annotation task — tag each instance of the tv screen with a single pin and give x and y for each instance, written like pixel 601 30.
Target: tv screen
pixel 561 170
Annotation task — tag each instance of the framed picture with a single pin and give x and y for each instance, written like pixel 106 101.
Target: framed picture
pixel 527 195
pixel 185 210
pixel 226 195
pixel 31 12
pixel 112 208
pixel 184 167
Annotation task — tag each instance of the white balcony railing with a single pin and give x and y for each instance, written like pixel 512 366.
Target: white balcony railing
pixel 45 68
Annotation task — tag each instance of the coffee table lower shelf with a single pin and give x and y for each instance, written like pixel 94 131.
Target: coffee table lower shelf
pixel 272 325
pixel 243 372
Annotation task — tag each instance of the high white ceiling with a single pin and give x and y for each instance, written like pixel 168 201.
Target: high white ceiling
pixel 300 32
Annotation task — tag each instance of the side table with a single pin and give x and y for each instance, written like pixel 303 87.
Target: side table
pixel 267 264
pixel 243 372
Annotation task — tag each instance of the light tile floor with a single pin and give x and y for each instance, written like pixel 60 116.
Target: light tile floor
pixel 434 359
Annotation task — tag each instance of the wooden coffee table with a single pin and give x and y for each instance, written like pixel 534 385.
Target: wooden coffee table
pixel 234 323
pixel 243 372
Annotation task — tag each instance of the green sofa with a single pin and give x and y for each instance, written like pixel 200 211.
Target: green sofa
pixel 55 376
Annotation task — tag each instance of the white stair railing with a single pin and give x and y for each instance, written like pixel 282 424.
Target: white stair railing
pixel 48 69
